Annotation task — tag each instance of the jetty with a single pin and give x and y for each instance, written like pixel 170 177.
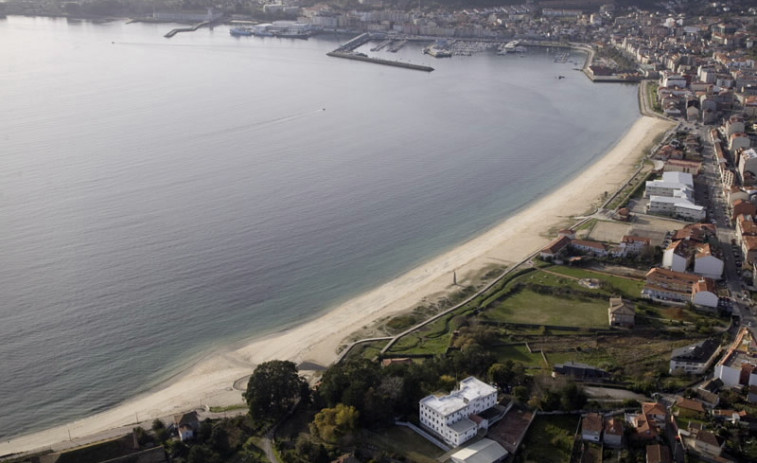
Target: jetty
pixel 347 51
pixel 386 62
pixel 173 32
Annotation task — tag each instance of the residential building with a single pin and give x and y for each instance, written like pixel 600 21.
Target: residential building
pixel 706 263
pixel 651 422
pixel 670 184
pixel 737 367
pixel 186 425
pixel 690 408
pixel 590 247
pixel 706 442
pixel 621 313
pixel 696 358
pixel 737 141
pixel 591 427
pixel 668 286
pixel 631 244
pixel 676 256
pixel 613 433
pixel 748 162
pixel 676 207
pixel 682 165
pixel 704 293
pixel 554 248
pixel 741 207
pixel 451 416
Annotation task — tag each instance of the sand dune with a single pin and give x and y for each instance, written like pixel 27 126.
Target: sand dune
pixel 210 381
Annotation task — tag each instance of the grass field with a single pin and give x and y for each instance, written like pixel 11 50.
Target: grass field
pixel 542 309
pixel 628 288
pixel 550 439
pixel 405 442
pixel 519 353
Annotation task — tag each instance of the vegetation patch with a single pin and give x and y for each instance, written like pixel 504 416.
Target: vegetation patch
pixel 401 441
pixel 550 439
pixel 530 307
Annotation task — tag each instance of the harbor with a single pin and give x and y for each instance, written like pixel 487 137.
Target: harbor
pixel 348 51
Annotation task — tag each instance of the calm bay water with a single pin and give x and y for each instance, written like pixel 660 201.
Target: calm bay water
pixel 160 198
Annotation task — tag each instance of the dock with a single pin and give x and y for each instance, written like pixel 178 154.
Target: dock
pixel 347 51
pixel 173 32
pixel 386 62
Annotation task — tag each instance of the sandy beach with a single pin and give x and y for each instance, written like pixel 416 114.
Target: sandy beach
pixel 210 381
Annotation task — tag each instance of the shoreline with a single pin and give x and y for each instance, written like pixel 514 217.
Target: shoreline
pixel 209 382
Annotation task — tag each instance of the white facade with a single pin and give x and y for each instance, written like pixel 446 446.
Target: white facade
pixel 669 79
pixel 705 299
pixel 673 261
pixel 449 416
pixel 680 207
pixel 680 184
pixel 708 266
pixel 748 162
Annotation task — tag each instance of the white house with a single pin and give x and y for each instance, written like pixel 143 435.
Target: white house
pixel 738 365
pixel 696 358
pixel 705 293
pixel 454 417
pixel 675 256
pixel 748 162
pixel 706 264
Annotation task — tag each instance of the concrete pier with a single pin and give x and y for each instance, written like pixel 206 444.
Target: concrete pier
pixel 386 62
pixel 173 32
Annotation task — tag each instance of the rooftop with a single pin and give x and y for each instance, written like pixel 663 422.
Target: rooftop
pixel 699 352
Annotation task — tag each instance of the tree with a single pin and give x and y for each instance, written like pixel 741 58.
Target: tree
pixel 335 424
pixel 273 389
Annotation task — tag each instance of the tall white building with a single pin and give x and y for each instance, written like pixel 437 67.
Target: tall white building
pixel 679 184
pixel 454 417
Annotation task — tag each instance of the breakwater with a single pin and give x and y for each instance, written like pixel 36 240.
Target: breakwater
pixel 173 32
pixel 386 62
pixel 347 51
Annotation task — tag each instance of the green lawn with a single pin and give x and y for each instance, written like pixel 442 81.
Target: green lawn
pixel 627 287
pixel 550 439
pixel 520 354
pixel 541 309
pixel 405 442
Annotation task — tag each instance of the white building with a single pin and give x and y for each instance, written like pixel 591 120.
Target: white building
pixel 748 162
pixel 739 365
pixel 706 264
pixel 696 358
pixel 676 207
pixel 675 256
pixel 669 79
pixel 680 184
pixel 454 417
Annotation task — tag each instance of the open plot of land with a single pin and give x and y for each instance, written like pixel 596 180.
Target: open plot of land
pixel 519 353
pixel 633 353
pixel 550 439
pixel 511 429
pixel 404 441
pixel 654 227
pixel 627 287
pixel 530 307
pixel 608 231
